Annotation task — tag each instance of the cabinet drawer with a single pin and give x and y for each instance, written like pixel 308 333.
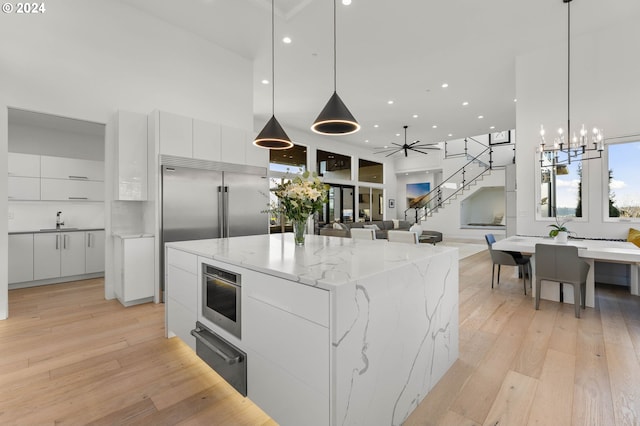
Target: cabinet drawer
pixel 78 190
pixel 183 286
pixel 71 168
pixel 23 188
pixel 181 321
pixel 299 299
pixel 183 260
pixel 23 165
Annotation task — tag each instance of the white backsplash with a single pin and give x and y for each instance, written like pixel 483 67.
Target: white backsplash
pixel 36 215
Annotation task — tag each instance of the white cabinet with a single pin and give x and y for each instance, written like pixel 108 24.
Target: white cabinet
pixel 206 140
pixel 234 147
pixel 20 258
pixel 23 188
pixel 94 252
pixel 176 134
pixel 256 156
pixel 26 165
pixel 58 254
pixel 131 156
pixel 71 168
pixel 134 265
pixel 181 295
pixel 67 189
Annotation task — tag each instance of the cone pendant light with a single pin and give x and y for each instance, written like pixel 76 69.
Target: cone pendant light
pixel 273 135
pixel 335 118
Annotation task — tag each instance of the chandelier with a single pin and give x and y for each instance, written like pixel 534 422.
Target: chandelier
pixel 584 144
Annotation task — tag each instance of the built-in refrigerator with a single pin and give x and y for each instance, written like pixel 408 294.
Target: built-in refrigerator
pixel 222 200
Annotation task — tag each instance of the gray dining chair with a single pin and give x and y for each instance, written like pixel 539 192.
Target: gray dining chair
pixel 402 237
pixel 560 263
pixel 363 234
pixel 499 257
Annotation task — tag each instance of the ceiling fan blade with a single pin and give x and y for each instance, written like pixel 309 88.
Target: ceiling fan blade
pixel 391 153
pixel 425 147
pixel 419 150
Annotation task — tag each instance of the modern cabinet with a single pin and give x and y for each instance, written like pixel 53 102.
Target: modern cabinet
pixel 25 165
pixel 206 140
pixel 94 252
pixel 233 147
pixel 72 190
pixel 23 188
pixel 20 258
pixel 131 156
pixel 176 134
pixel 58 254
pixel 135 269
pixel 71 168
pixel 182 295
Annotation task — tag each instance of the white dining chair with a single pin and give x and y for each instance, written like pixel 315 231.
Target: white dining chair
pixel 402 237
pixel 363 234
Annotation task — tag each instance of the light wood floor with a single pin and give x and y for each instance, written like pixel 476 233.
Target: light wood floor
pixel 68 356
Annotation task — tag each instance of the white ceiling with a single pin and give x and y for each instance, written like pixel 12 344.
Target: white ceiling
pixel 400 50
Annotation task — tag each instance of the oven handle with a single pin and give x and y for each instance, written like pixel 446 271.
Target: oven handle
pixel 196 333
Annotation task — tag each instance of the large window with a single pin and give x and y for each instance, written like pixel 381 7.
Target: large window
pixel 561 192
pixel 291 160
pixel 333 166
pixel 370 204
pixel 624 180
pixel 370 171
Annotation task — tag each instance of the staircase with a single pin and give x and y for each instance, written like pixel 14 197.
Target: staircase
pixel 480 163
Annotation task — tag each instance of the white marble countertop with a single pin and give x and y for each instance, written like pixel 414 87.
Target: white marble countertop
pixel 49 230
pixel 324 262
pixel 126 236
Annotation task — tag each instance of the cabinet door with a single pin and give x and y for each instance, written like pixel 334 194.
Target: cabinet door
pixel 255 156
pixel 78 190
pixel 46 255
pixel 206 140
pixel 176 135
pixel 233 148
pixel 94 251
pixel 131 156
pixel 23 188
pixel 138 264
pixel 20 258
pixel 72 257
pixel 25 165
pixel 71 168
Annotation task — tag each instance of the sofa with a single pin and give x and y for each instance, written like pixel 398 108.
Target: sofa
pixel 338 229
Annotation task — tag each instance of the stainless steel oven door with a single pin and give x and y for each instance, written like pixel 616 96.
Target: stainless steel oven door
pixel 221 298
pixel 226 359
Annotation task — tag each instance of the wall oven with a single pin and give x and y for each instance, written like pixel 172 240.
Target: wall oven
pixel 221 298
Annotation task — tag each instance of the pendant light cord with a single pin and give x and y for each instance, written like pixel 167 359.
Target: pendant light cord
pixel 335 86
pixel 273 60
pixel 569 72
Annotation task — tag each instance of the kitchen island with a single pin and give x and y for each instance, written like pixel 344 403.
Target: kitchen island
pixel 337 332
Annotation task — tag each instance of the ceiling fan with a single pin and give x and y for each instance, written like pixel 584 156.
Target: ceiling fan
pixel 413 146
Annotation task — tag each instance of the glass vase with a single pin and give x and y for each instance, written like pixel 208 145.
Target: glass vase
pixel 299 228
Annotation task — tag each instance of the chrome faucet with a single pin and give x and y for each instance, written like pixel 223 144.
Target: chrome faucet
pixel 59 221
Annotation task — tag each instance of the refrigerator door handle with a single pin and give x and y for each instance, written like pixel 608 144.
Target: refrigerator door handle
pixel 220 213
pixel 226 211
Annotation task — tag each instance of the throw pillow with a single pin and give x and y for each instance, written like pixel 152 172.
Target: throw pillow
pixel 374 227
pixel 336 225
pixel 634 236
pixel 396 223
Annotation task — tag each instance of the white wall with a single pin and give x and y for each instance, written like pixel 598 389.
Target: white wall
pixel 41 141
pixel 483 206
pixel 34 215
pixel 85 60
pixel 605 91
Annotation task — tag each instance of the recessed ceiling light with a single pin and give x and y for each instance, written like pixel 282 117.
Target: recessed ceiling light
pixel 481 117
pixel 515 100
pixel 465 103
pixel 390 102
pixel 286 40
pixel 265 81
pixel 406 174
pixel 346 2
pixel 397 134
pixel 445 85
pixel 492 127
pixel 450 134
pixel 386 146
pixel 376 126
pixel 434 126
pixel 415 116
pixel 366 141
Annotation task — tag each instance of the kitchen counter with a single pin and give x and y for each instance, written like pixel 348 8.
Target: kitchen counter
pixel 348 331
pixel 49 230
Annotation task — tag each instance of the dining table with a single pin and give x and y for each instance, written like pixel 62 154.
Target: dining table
pixel 590 250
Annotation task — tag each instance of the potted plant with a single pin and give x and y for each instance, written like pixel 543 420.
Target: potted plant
pixel 559 233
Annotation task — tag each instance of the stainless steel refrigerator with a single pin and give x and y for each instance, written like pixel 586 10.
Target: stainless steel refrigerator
pixel 212 203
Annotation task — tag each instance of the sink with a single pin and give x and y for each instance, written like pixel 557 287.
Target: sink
pixel 56 229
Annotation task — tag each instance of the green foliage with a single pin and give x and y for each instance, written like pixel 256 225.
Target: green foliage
pixel 557 227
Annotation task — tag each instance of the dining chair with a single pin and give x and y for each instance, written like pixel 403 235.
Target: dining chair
pixel 499 257
pixel 560 263
pixel 402 237
pixel 363 234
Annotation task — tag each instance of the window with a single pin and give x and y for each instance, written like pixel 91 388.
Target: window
pixel 291 160
pixel 623 180
pixel 333 166
pixel 370 171
pixel 561 191
pixel 370 204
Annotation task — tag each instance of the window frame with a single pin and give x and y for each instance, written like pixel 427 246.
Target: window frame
pixel 605 181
